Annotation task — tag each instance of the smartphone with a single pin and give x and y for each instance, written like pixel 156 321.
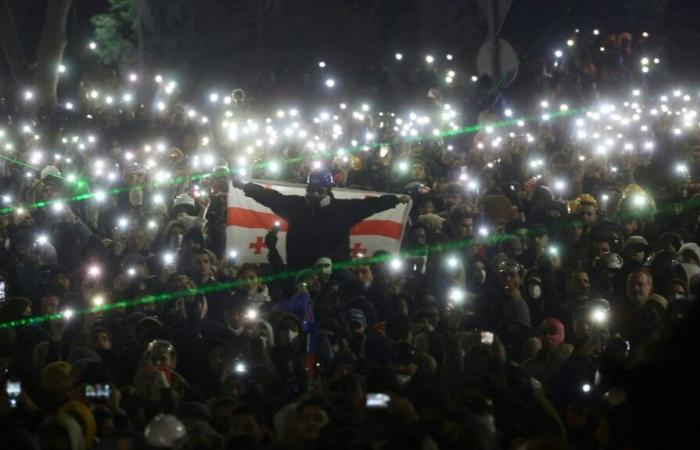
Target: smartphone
pixel 486 337
pixel 383 150
pixel 13 389
pixel 2 291
pixel 97 391
pixel 377 400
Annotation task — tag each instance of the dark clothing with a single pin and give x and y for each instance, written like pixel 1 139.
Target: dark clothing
pixel 314 233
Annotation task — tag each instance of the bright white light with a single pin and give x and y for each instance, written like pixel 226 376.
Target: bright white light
pixel 330 82
pixel 456 295
pixel 483 231
pixel 586 388
pixel 681 168
pixel 396 264
pixel 42 239
pixel 123 222
pixel 233 254
pixel 98 300
pixel 452 262
pixel 61 68
pixel 58 206
pixel 321 64
pixel 168 258
pixel 131 272
pixel 133 77
pixel 398 56
pixel 240 368
pixel 213 97
pixel 570 43
pixel 558 53
pixel 273 166
pixel 28 95
pixel 599 315
pixel 559 185
pixel 429 59
pixel 596 32
pixel 92 45
pixel 100 196
pixel 508 113
pixel 67 314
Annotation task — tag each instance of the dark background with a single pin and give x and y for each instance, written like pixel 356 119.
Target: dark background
pixel 272 47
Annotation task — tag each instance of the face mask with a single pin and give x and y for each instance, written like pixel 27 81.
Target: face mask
pixel 676 296
pixel 402 379
pixel 287 336
pixel 136 196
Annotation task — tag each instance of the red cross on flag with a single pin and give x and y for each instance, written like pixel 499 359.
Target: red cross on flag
pixel 248 222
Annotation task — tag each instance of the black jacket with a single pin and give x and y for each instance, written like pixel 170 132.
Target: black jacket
pixel 323 232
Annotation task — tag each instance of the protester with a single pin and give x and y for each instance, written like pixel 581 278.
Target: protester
pixel 546 279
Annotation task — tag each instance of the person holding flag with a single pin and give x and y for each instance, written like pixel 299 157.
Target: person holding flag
pixel 318 223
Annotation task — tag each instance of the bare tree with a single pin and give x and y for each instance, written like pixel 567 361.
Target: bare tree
pixel 42 74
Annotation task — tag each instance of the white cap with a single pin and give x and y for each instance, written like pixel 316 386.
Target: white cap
pixel 50 170
pixel 164 430
pixel 183 199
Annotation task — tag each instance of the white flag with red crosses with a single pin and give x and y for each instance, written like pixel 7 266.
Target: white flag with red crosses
pixel 248 222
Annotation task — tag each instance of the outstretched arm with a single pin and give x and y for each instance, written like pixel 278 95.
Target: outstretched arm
pixel 279 203
pixel 362 208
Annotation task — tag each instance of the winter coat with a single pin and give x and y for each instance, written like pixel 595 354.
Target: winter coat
pixel 313 233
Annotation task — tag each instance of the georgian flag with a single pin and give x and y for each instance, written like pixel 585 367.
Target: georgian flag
pixel 248 222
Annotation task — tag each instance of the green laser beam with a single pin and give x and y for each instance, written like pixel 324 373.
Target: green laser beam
pixel 149 299
pixel 469 129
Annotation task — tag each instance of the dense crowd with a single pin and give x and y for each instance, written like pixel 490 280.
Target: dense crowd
pixel 548 267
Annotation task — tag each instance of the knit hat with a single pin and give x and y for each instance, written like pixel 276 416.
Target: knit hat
pixel 83 415
pixel 56 376
pixel 355 316
pixel 660 300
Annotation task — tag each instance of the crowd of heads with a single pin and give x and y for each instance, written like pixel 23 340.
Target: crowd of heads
pixel 547 262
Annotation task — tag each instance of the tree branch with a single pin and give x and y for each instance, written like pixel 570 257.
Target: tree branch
pixel 11 45
pixel 51 46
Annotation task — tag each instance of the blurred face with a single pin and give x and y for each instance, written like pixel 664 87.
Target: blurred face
pixel 539 242
pixel 636 254
pixel 49 305
pixel 363 274
pixel 310 422
pixel 589 214
pixel 234 318
pixel 101 341
pixel 465 229
pixel 60 282
pixel 601 248
pixel 418 172
pixel 162 360
pixel 419 236
pixel 639 287
pixel 580 283
pixel 201 264
pixel 249 281
pixel 49 192
pixel 452 200
pixel 426 207
pixel 315 194
pixel 510 282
